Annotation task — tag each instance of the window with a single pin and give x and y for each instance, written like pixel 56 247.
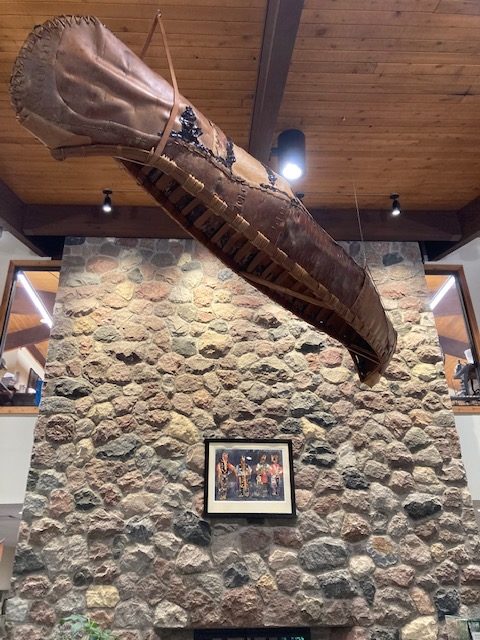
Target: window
pixel 457 331
pixel 26 316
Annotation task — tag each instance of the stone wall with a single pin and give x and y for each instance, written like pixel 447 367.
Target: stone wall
pixel 156 346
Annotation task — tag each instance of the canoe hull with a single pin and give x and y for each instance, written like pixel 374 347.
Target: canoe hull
pixel 242 211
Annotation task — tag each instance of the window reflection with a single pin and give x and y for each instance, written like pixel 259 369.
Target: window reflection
pixel 454 329
pixel 25 336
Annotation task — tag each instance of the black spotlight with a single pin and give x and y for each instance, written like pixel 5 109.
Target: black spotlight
pixel 291 154
pixel 107 206
pixel 396 211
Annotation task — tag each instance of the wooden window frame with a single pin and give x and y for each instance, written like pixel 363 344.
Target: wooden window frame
pixel 469 313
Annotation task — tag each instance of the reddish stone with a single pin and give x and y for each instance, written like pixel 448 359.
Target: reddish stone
pixel 279 608
pixel 326 504
pixel 99 551
pixel 470 595
pixel 42 613
pixel 255 539
pixel 101 264
pixel 61 587
pixel 106 572
pixel 287 537
pixel 289 579
pixel 331 357
pixel 154 291
pixel 103 617
pixel 471 573
pixel 26 632
pixel 132 481
pixel 354 528
pixel 401 575
pixel 241 607
pixel 61 502
pixel 34 587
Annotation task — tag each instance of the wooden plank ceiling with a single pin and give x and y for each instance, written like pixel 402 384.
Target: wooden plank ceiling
pixel 215 45
pixel 386 91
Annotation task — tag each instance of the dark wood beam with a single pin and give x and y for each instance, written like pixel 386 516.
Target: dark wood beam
pixel 469 222
pixel 151 222
pixel 37 354
pixel 85 220
pixel 12 212
pixel 26 337
pixel 379 225
pixel 280 31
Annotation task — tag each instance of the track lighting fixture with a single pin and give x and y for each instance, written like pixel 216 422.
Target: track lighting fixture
pixel 396 211
pixel 291 154
pixel 107 206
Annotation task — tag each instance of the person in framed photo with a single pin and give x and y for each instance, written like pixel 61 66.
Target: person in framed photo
pixel 276 472
pixel 223 472
pixel 244 473
pixel 262 471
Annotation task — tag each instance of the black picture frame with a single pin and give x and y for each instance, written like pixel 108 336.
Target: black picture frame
pixel 254 480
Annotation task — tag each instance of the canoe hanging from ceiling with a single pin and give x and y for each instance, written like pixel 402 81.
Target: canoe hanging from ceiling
pixel 82 92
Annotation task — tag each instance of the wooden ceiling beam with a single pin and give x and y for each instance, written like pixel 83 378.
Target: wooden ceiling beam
pixel 151 222
pixel 468 218
pixel 37 354
pixel 12 212
pixel 282 20
pixel 26 337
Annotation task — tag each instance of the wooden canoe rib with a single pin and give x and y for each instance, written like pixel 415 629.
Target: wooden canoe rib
pixel 78 89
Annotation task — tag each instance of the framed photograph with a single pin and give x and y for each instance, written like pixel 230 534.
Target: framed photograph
pixel 249 478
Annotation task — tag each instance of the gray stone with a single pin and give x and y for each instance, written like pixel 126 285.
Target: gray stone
pixel 133 614
pixel 26 560
pixel 193 529
pixel 184 346
pixel 337 584
pixel 169 616
pixel 140 529
pixel 389 259
pixel 429 457
pixel 368 589
pixel 121 448
pixel 138 558
pixel 354 479
pixel 385 634
pixel 86 500
pixel 50 480
pixel 236 575
pixel 447 602
pixel 421 505
pixel 382 550
pixel 323 553
pixel 310 342
pixel 416 438
pixel 319 454
pixel 55 404
pixel 72 387
pixel 304 403
pixel 34 505
pixel 73 602
pixel 382 499
pixel 17 609
pixel 192 560
pixel 167 544
pixel 310 525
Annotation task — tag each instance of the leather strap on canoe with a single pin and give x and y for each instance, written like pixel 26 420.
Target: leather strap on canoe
pixel 173 113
